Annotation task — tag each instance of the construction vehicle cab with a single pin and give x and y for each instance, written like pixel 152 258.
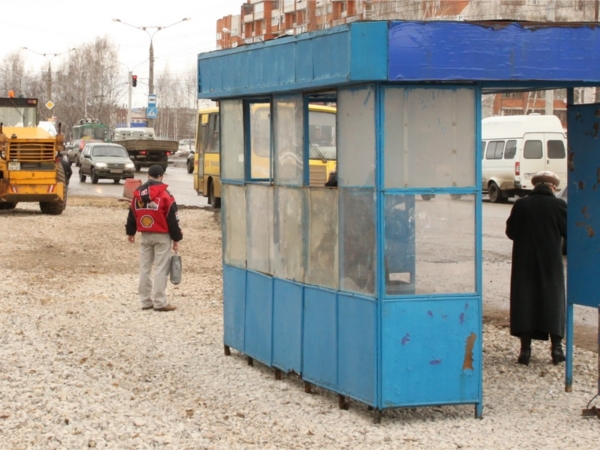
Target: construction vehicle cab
pixel 29 166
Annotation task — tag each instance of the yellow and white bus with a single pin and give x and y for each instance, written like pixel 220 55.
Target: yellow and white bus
pixel 207 158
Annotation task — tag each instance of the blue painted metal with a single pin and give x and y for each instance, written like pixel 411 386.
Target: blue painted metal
pixel 320 344
pixel 234 306
pixel 583 219
pixel 259 317
pixel 357 355
pixel 429 352
pixel 287 325
pixel 450 51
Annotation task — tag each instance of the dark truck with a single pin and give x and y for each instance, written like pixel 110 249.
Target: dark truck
pixel 144 150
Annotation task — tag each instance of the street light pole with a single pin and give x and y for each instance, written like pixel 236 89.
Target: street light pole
pixel 49 57
pixel 151 55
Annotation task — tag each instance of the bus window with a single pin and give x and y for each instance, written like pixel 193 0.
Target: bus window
pixel 260 141
pixel 212 134
pixel 322 144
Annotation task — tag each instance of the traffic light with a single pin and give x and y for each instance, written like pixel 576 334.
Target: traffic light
pixel 134 80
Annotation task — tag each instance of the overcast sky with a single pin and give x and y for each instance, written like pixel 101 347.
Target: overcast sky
pixel 55 27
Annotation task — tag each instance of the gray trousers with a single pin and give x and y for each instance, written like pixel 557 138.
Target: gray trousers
pixel 155 252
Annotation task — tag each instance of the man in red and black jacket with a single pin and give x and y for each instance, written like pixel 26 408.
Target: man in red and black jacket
pixel 154 214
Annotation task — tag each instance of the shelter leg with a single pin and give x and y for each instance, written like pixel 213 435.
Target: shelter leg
pixel 307 387
pixel 227 350
pixel 250 361
pixel 479 410
pixel 569 348
pixel 377 414
pixel 278 374
pixel 343 402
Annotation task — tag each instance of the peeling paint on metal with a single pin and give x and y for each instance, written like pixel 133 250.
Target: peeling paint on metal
pixel 430 313
pixel 581 185
pixel 406 339
pixel 435 362
pixel 571 163
pixel 468 361
pixel 590 231
pixel 461 318
pixel 596 128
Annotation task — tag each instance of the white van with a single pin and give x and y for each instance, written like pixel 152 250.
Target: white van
pixel 514 148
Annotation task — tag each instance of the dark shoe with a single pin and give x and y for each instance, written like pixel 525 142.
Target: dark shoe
pixel 524 356
pixel 558 355
pixel 144 308
pixel 166 308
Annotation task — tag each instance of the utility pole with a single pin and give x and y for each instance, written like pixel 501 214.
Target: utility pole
pixel 151 55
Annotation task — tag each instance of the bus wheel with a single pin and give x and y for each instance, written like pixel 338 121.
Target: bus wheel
pixel 494 193
pixel 214 201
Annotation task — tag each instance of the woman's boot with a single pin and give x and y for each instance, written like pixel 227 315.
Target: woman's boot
pixel 557 351
pixel 525 353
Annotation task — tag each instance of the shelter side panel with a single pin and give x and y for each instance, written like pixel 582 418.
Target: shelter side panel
pixel 583 216
pixel 431 352
pixel 259 317
pixel 357 359
pixel 287 325
pixel 319 359
pixel 234 306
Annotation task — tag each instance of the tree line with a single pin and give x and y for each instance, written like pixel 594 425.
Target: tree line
pixel 88 82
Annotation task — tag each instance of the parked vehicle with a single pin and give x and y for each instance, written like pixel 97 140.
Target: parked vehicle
pixel 514 148
pixel 104 160
pixel 186 145
pixel 143 147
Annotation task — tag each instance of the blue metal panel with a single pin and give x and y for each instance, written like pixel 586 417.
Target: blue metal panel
pixel 429 353
pixel 319 365
pixel 234 306
pixel 357 359
pixel 446 51
pixel 369 51
pixel 287 325
pixel 583 218
pixel 259 317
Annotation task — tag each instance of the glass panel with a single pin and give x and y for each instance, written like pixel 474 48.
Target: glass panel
pixel 288 232
pixel 232 126
pixel 322 144
pixel 511 149
pixel 234 208
pixel 288 132
pixel 259 200
pixel 429 137
pixel 532 150
pixel 556 150
pixel 445 244
pixel 399 245
pixel 356 121
pixel 358 252
pixel 323 265
pixel 260 141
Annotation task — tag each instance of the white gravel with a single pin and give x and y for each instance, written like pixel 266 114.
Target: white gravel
pixel 82 366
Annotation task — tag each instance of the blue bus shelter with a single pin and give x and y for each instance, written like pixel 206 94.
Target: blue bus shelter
pixel 373 288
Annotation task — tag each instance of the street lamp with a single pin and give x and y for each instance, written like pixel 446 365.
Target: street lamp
pixel 49 57
pixel 151 58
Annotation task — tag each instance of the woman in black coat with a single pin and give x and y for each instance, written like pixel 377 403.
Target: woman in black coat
pixel 537 225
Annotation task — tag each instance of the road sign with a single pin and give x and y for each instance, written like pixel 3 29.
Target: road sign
pixel 151 100
pixel 151 112
pixel 49 104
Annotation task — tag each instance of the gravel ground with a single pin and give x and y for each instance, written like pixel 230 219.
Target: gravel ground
pixel 82 366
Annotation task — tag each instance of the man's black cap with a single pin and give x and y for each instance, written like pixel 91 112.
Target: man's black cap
pixel 156 171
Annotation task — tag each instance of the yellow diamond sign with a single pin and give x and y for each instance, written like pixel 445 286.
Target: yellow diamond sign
pixel 49 105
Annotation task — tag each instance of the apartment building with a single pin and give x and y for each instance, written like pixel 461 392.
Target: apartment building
pixel 262 20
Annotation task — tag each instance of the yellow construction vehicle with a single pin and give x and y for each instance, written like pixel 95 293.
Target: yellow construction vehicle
pixel 29 167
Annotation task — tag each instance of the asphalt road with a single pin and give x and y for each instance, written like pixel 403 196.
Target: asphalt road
pixel 181 185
